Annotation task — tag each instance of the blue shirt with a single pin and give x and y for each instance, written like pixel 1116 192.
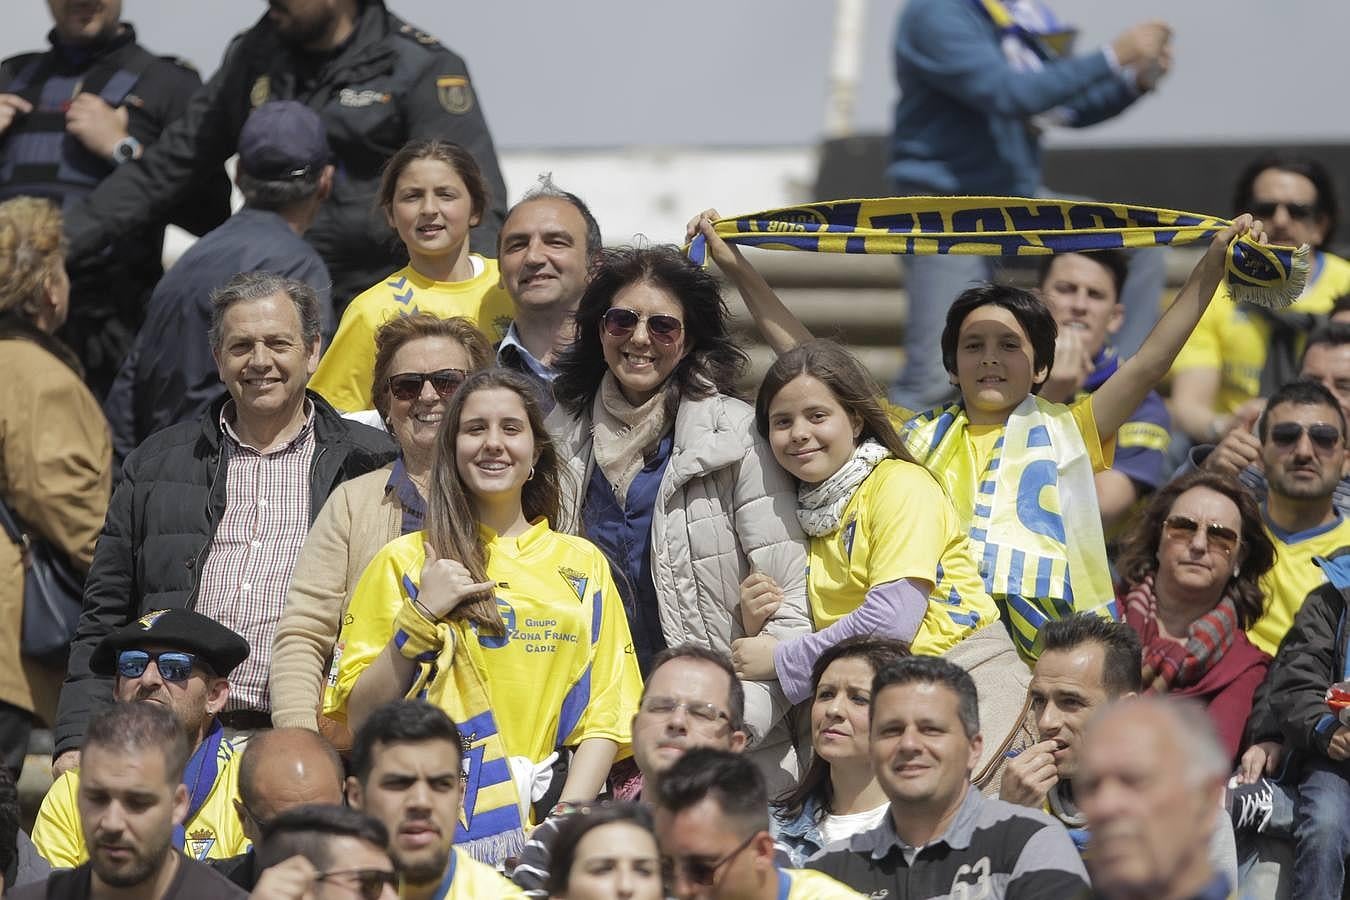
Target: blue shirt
pixel 1141 443
pixel 169 376
pixel 409 498
pixel 962 123
pixel 624 534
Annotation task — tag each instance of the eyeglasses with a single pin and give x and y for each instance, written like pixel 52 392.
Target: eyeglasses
pixel 1217 537
pixel 704 713
pixel 703 872
pixel 370 882
pixel 1299 212
pixel 173 665
pixel 621 322
pixel 1323 436
pixel 408 385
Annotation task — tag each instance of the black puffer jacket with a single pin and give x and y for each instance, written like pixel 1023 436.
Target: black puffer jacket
pixel 160 523
pixel 1312 657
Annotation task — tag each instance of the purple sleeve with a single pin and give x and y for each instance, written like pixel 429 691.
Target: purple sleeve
pixel 893 610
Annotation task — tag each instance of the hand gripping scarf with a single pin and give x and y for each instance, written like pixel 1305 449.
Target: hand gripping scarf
pixel 1032 515
pixel 1267 276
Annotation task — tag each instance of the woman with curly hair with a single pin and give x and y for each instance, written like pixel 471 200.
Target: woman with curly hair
pixel 668 475
pixel 1190 568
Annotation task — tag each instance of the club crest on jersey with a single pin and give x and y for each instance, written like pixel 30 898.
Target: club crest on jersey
pixel 577 581
pixel 262 90
pixel 199 843
pixel 846 535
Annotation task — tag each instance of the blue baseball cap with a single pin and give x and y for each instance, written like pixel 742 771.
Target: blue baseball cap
pixel 283 139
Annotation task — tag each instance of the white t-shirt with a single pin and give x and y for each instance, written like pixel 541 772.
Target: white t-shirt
pixel 834 829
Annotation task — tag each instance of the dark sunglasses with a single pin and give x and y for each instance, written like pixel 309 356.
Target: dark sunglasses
pixel 408 385
pixel 1299 212
pixel 1217 537
pixel 370 882
pixel 703 872
pixel 621 322
pixel 173 665
pixel 1323 436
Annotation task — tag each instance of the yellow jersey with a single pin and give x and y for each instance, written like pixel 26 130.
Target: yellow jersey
pixel 348 364
pixel 1234 341
pixel 468 879
pixel 215 832
pixel 1293 577
pixel 900 523
pixel 563 673
pixel 808 884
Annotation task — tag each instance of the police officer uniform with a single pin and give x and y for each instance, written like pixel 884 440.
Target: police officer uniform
pixel 389 83
pixel 39 158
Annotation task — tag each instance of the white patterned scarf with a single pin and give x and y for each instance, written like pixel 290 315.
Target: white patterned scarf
pixel 820 506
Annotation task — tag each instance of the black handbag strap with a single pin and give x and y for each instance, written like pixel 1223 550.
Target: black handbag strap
pixel 11 524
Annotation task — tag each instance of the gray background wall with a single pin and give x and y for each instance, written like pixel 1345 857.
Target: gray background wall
pixel 607 73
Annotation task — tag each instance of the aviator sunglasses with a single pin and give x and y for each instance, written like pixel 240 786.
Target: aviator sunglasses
pixel 1323 436
pixel 408 385
pixel 1217 537
pixel 620 322
pixel 1299 212
pixel 703 872
pixel 173 665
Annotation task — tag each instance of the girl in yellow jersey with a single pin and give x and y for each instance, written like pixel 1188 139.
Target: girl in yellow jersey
pixel 514 629
pixel 888 554
pixel 432 193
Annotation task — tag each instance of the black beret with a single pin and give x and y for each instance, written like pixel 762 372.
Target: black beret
pixel 176 629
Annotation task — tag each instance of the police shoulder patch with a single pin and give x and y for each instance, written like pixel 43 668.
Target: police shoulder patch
pixel 454 93
pixel 419 35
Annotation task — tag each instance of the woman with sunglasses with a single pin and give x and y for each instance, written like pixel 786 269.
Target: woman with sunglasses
pixel 668 476
pixel 431 194
pixel 1190 569
pixel 512 628
pixel 606 852
pixel 420 360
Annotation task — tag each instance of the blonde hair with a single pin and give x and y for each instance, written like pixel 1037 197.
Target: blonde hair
pixel 32 249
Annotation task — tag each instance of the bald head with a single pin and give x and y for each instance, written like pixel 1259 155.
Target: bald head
pixel 282 769
pixel 1150 783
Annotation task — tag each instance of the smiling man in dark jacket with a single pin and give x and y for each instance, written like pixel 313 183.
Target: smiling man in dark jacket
pixel 376 82
pixel 210 515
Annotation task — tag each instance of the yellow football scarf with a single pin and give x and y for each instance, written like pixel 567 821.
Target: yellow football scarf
pixel 492 815
pixel 1032 515
pixel 1268 276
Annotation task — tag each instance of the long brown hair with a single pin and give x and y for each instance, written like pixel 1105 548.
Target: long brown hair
pixel 856 390
pixel 451 522
pixel 1138 557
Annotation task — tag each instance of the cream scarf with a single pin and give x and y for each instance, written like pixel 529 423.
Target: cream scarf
pixel 622 433
pixel 820 506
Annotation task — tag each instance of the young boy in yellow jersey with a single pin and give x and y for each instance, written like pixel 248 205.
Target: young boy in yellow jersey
pixel 1019 469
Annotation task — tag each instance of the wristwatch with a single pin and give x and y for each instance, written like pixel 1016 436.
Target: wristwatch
pixel 125 150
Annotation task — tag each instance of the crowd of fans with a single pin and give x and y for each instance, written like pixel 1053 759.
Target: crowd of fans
pixel 430 548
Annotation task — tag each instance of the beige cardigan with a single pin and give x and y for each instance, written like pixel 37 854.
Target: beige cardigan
pixel 359 518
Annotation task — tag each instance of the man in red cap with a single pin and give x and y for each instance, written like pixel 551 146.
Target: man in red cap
pixel 180 660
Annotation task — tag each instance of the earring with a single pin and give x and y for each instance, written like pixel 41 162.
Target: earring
pixel 530 477
pixel 1236 571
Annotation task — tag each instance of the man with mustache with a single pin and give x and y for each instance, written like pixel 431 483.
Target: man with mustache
pixel 406 773
pixel 133 799
pixel 1303 453
pixel 1239 353
pixel 181 661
